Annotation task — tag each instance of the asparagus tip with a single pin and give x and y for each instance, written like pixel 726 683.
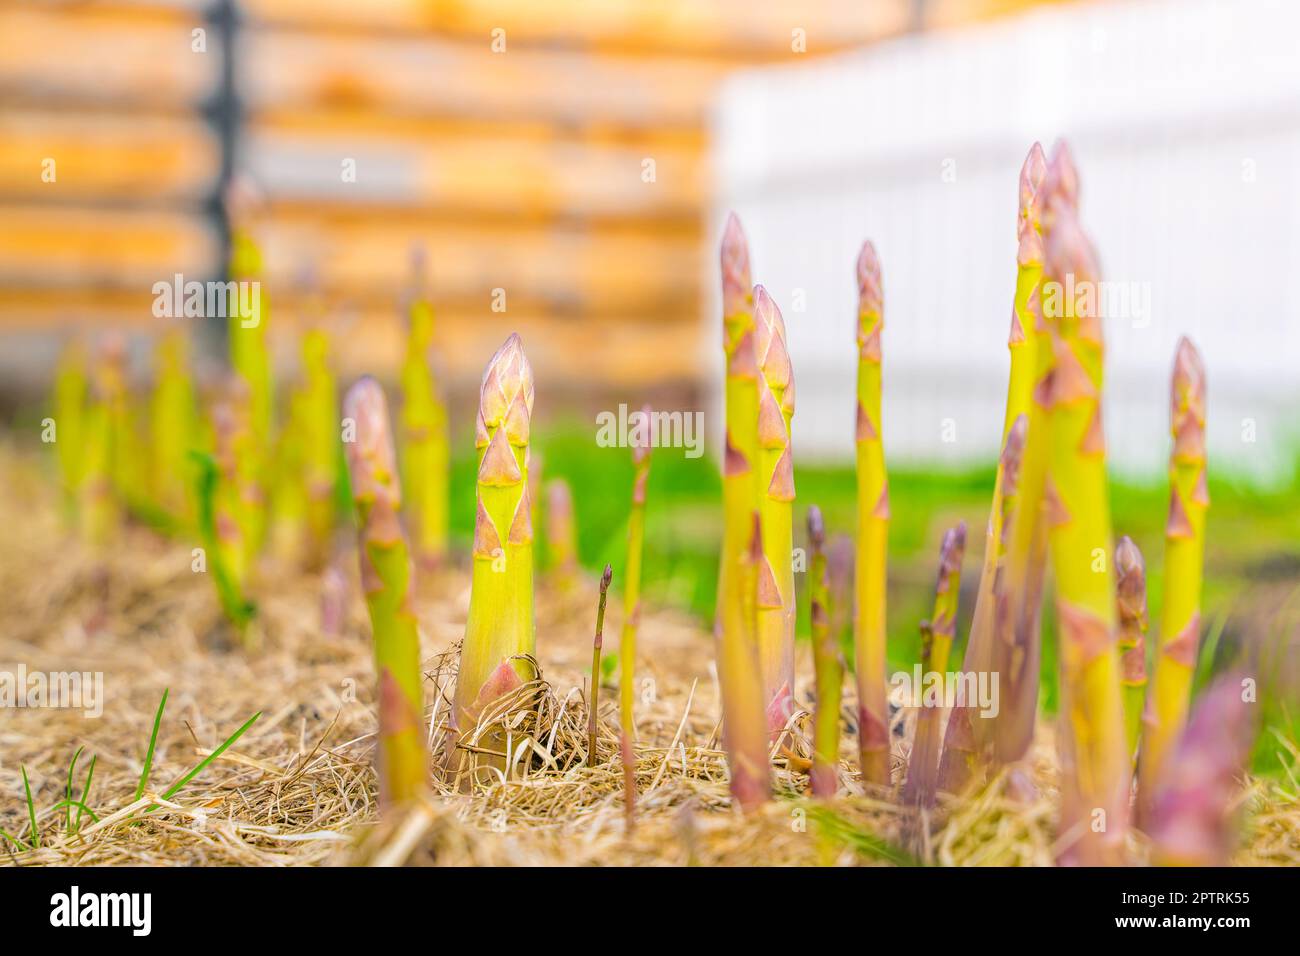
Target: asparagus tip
pixel 370 456
pixel 606 578
pixel 816 527
pixel 641 449
pixel 951 552
pixel 1032 174
pixel 1128 560
pixel 736 281
pixel 1061 182
pixel 1068 250
pixel 1189 372
pixel 870 291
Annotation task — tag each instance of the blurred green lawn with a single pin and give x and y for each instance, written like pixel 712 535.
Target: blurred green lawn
pixel 1253 540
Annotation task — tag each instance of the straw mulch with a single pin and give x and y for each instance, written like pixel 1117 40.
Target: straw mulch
pixel 299 788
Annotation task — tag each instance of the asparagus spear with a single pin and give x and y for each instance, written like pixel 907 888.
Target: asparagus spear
pixel 250 358
pixel 501 624
pixel 593 705
pixel 387 579
pixel 1180 617
pixel 1190 823
pixel 1017 635
pixel 1077 508
pixel 743 727
pixel 839 570
pixel 172 425
pixel 632 580
pixel 288 531
pixel 828 664
pixel 989 647
pixel 776 605
pixel 561 538
pixel 745 734
pixel 941 632
pixel 869 634
pixel 221 501
pixel 99 509
pixel 1131 593
pixel 320 440
pixel 964 758
pixel 71 394
pixel 424 430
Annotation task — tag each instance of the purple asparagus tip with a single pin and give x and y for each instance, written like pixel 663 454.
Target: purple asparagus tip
pixel 736 277
pixel 816 527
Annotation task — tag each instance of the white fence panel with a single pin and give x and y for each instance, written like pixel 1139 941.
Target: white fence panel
pixel 1184 118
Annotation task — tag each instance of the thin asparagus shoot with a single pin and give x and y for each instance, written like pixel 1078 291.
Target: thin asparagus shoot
pixel 828 664
pixel 632 578
pixel 922 769
pixel 1131 595
pixel 990 644
pixel 1180 611
pixel 869 632
pixel 387 578
pixel 596 644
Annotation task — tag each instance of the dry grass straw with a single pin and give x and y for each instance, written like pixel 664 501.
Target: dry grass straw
pixel 299 789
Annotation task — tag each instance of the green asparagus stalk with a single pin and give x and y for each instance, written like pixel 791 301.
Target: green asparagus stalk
pixel 776 602
pixel 632 581
pixel 216 527
pixel 320 441
pixel 99 511
pixel 561 537
pixel 941 632
pixel 387 579
pixel 593 705
pixel 424 427
pixel 71 395
pixel 963 762
pixel 172 426
pixel 1131 593
pixel 1077 507
pixel 1180 612
pixel 869 633
pixel 224 500
pixel 125 456
pixel 1191 819
pixel 288 518
pixel 250 358
pixel 744 728
pixel 839 571
pixel 990 646
pixel 828 664
pixel 501 624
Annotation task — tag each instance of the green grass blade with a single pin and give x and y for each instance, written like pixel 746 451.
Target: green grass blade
pixel 72 769
pixel 153 743
pixel 85 791
pixel 69 804
pixel 842 831
pixel 14 840
pixel 179 784
pixel 31 811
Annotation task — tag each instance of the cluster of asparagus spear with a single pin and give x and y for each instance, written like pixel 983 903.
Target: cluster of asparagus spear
pixel 1050 509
